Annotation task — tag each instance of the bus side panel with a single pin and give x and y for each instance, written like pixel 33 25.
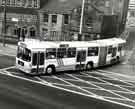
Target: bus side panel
pixel 102 56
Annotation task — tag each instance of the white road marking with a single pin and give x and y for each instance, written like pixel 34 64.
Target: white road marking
pixel 117 85
pixel 101 87
pixel 45 82
pixel 8 68
pixel 68 90
pixel 74 85
pixel 122 75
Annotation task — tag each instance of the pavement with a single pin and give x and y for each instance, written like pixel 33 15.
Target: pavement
pixel 9 49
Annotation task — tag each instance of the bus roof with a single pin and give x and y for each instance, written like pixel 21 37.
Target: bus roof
pixel 109 42
pixel 37 44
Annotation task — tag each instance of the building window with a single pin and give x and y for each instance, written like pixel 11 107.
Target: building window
pixel 13 2
pixel 30 3
pixel 66 18
pixel 18 3
pixel 45 17
pixel 54 19
pixel 132 14
pixel 23 3
pixel 32 32
pixel 15 31
pixel 44 33
pixel 35 3
pixel 3 2
pixel 8 2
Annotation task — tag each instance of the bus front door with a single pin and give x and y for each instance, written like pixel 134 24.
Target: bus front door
pixel 81 58
pixel 38 62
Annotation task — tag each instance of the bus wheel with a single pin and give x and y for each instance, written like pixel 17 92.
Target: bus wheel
pixel 89 66
pixel 118 59
pixel 50 70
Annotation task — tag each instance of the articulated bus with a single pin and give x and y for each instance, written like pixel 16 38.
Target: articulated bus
pixel 46 57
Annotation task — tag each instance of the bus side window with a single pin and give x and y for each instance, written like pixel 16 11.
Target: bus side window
pixel 71 52
pixel 120 47
pixel 51 53
pixel 93 51
pixel 110 49
pixel 61 53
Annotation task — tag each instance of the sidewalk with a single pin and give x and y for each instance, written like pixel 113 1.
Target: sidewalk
pixel 9 49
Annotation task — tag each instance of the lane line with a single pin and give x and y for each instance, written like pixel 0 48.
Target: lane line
pixel 45 82
pixel 101 88
pixel 74 85
pixel 114 85
pixel 7 54
pixel 63 89
pixel 114 78
pixel 127 76
pixel 117 86
pixel 8 68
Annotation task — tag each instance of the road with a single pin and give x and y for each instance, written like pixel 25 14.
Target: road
pixel 77 90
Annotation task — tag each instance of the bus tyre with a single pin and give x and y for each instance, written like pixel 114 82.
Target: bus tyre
pixel 118 59
pixel 89 66
pixel 50 70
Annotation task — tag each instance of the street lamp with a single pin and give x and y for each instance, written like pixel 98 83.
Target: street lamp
pixel 81 21
pixel 4 22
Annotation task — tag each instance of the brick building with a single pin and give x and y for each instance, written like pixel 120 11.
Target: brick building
pixel 60 19
pixel 131 15
pixel 21 17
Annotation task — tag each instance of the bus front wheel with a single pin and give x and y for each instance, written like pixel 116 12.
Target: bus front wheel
pixel 89 66
pixel 50 70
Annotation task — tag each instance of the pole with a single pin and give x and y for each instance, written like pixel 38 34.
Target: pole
pixel 4 23
pixel 112 7
pixel 81 21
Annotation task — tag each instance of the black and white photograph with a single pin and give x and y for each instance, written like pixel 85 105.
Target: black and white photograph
pixel 67 54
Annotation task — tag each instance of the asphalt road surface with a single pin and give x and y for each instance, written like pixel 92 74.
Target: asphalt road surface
pixel 67 90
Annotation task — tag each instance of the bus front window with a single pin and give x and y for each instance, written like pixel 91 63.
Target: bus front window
pixel 24 54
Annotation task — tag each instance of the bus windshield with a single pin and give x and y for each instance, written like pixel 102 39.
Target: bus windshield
pixel 24 54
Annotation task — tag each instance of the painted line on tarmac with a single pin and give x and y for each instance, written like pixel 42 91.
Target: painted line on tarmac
pixel 8 68
pixel 74 85
pixel 100 87
pixel 122 75
pixel 63 89
pixel 116 84
pixel 7 54
pixel 128 91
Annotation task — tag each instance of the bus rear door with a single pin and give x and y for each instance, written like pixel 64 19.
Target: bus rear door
pixel 102 56
pixel 38 62
pixel 80 59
